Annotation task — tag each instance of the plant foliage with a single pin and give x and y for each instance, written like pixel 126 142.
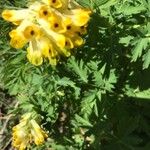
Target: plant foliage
pixel 99 98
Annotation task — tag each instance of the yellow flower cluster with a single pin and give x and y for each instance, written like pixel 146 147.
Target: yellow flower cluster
pixel 26 132
pixel 51 27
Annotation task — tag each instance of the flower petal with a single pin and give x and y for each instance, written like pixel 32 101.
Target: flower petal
pixel 15 16
pixel 31 31
pixel 79 17
pixel 17 39
pixel 54 3
pixel 34 53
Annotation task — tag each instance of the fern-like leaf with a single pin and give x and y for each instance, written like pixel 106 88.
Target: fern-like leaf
pixel 79 69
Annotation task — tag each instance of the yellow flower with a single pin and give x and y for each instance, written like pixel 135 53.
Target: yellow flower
pixel 72 30
pixel 57 38
pixel 56 3
pixel 51 28
pixel 38 134
pixel 26 132
pixel 48 51
pixel 79 16
pixel 31 31
pixel 64 51
pixel 23 34
pixel 20 138
pixel 77 41
pixel 83 30
pixel 69 43
pixel 34 52
pixel 52 51
pixel 15 16
pixel 44 12
pixel 17 39
pixel 56 23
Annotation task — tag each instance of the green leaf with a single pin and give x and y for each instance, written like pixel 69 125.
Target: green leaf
pixel 130 10
pixel 92 3
pixel 136 93
pixel 85 3
pixel 79 68
pixel 141 44
pixel 98 79
pixel 82 122
pixel 88 104
pixel 109 83
pixel 126 40
pixel 37 80
pixel 143 94
pixel 146 59
pixel 67 82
